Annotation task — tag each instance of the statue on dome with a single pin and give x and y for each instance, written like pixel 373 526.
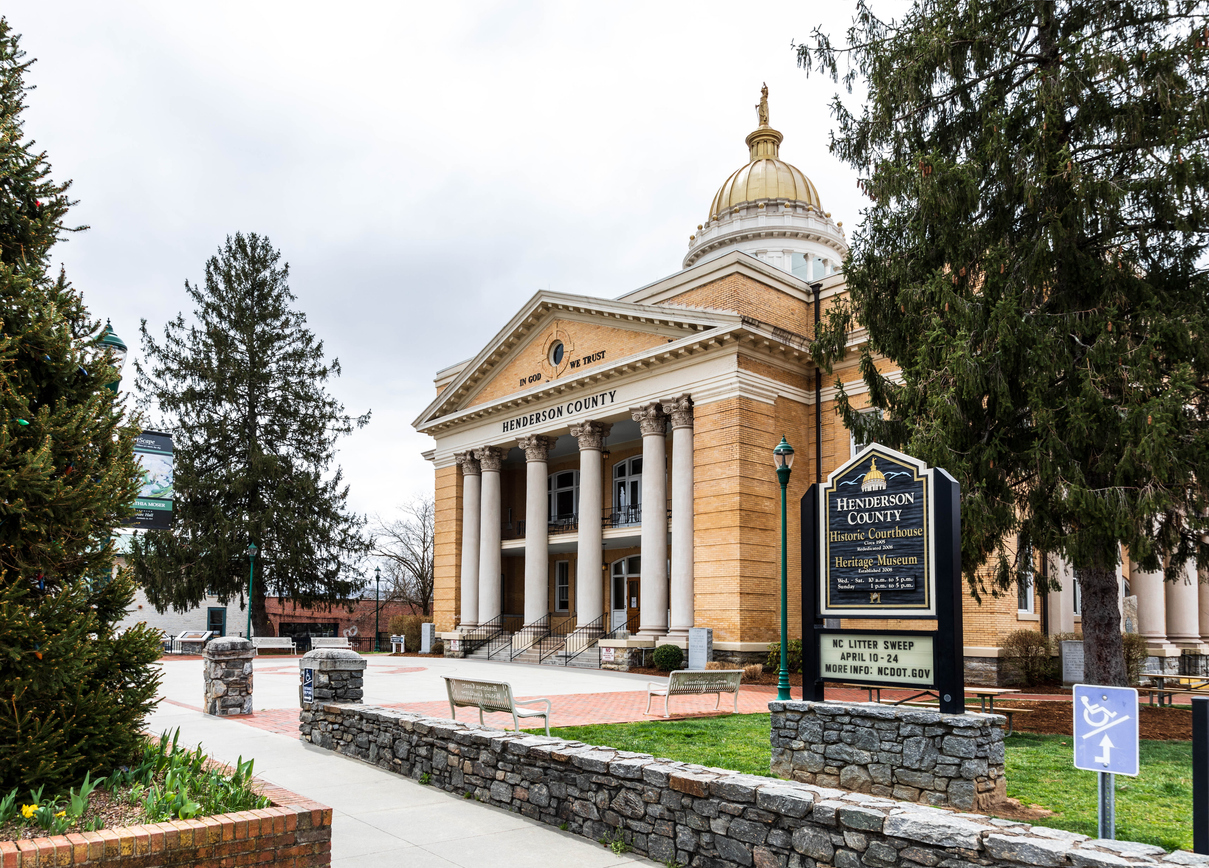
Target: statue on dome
pixel 762 107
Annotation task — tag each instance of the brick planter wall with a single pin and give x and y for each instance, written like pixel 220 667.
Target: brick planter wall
pixel 911 754
pixel 293 833
pixel 698 816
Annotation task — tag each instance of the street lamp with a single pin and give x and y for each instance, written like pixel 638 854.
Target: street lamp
pixel 377 605
pixel 783 460
pixel 111 341
pixel 251 569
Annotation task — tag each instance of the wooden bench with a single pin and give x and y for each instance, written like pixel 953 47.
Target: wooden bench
pixel 696 682
pixel 1009 713
pixel 273 643
pixel 492 696
pixel 330 642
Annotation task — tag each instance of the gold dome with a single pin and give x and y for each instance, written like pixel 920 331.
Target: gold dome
pixel 874 480
pixel 766 176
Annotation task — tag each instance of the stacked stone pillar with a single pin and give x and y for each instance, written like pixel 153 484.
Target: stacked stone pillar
pixel 338 676
pixel 228 676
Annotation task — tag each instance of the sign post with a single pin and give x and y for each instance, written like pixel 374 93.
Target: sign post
pixel 881 539
pixel 1106 741
pixel 1200 775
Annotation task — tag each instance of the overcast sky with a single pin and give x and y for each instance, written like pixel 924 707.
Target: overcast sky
pixel 424 168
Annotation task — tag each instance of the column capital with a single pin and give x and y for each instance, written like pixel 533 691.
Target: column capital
pixel 537 447
pixel 591 434
pixel 468 463
pixel 490 458
pixel 681 411
pixel 650 418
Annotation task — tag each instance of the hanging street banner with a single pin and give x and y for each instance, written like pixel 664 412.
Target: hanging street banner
pixel 881 540
pixel 153 505
pixel 878 542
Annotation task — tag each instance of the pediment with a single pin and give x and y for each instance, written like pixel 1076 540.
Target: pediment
pixel 594 333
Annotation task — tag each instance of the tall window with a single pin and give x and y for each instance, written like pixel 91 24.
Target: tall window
pixel 563 489
pixel 562 586
pixel 1025 585
pixel 1078 595
pixel 627 491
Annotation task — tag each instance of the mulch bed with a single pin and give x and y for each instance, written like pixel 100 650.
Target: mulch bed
pixel 1055 717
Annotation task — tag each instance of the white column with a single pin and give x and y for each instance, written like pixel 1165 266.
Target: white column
pixel 471 511
pixel 1203 599
pixel 1183 611
pixel 681 413
pixel 1152 608
pixel 653 585
pixel 490 458
pixel 589 588
pixel 537 526
pixel 1061 604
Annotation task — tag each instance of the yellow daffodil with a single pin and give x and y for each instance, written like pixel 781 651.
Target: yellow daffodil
pixel 28 811
pixel 61 814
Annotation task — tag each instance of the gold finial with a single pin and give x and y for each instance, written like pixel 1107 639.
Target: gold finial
pixel 764 143
pixel 762 106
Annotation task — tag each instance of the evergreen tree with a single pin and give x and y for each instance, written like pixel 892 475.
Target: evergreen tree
pixel 254 435
pixel 75 694
pixel 1034 261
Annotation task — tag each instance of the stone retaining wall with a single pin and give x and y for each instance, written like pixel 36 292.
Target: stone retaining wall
pixel 910 754
pixel 697 816
pixel 228 676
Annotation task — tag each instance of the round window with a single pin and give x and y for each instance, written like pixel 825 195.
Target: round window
pixel 556 353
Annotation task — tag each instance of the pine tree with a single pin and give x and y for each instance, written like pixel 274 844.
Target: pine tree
pixel 242 390
pixel 1034 261
pixel 75 694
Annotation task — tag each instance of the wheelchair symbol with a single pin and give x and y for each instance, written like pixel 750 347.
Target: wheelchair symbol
pixel 1099 718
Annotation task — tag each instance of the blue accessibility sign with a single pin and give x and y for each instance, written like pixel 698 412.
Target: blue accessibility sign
pixel 1106 729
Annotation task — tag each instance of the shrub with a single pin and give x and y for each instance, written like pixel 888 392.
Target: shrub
pixel 408 626
pixel 1135 656
pixel 753 671
pixel 668 657
pixel 793 656
pixel 1028 654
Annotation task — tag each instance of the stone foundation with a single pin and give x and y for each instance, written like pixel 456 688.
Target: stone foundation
pixel 697 816
pixel 228 676
pixel 910 754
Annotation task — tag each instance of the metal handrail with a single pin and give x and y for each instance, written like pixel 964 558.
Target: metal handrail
pixel 584 638
pixel 630 625
pixel 509 624
pixel 556 637
pixel 529 635
pixel 483 634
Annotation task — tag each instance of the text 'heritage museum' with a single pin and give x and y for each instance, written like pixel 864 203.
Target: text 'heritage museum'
pixel 604 469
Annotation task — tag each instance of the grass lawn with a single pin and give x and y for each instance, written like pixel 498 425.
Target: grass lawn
pixel 1154 808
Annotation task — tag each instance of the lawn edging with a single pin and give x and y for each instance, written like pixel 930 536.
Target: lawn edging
pixel 695 815
pixel 293 833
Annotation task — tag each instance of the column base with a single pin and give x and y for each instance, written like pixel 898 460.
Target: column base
pixel 1161 648
pixel 678 633
pixel 652 634
pixel 1192 646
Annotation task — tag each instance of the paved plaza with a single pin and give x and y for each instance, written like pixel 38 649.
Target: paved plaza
pixel 379 818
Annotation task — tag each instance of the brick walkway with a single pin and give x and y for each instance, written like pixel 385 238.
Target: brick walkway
pixel 578 709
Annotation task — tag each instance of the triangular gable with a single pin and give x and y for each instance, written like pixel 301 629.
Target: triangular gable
pixel 586 327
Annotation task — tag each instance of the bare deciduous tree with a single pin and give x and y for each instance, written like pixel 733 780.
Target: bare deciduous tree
pixel 405 547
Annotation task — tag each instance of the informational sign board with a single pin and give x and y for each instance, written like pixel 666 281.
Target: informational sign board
pixel 877 657
pixel 881 540
pixel 1106 729
pixel 153 505
pixel 700 646
pixel 1072 662
pixel 308 685
pixel 877 539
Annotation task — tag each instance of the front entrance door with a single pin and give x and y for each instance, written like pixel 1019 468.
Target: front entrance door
pixel 216 620
pixel 623 592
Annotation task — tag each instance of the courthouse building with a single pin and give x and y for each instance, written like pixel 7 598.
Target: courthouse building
pixel 604 466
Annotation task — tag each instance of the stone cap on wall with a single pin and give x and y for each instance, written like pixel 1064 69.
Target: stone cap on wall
pixel 332 659
pixel 228 646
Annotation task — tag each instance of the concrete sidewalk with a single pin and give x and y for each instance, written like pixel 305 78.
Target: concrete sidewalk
pixel 382 819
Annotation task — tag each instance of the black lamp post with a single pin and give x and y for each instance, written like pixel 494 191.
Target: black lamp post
pixel 377 606
pixel 251 570
pixel 783 459
pixel 111 341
